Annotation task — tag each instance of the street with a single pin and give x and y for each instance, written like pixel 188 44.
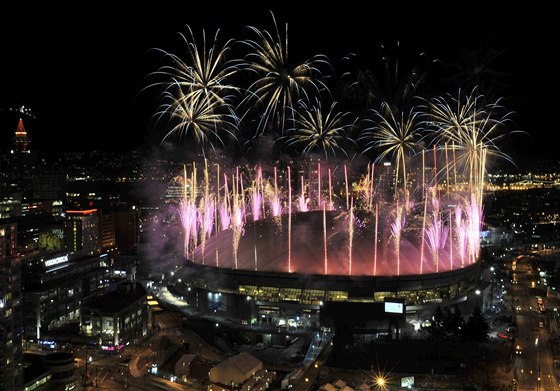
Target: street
pixel 534 366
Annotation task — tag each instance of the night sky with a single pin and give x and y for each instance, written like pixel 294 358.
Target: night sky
pixel 82 74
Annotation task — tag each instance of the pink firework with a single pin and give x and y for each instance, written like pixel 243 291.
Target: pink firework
pixel 187 214
pixel 474 218
pixel 396 230
pixel 225 216
pixel 302 201
pixel 256 203
pixel 436 237
pixel 208 217
pixel 238 223
pixel 274 202
pixel 461 233
pixel 275 207
pixel 238 217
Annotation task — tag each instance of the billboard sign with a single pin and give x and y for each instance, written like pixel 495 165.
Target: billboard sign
pixel 407 381
pixel 394 306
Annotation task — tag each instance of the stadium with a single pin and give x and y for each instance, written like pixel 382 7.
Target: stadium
pixel 255 288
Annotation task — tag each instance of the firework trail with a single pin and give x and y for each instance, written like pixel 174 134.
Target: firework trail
pixel 474 219
pixel 206 221
pixel 461 233
pixel 436 232
pixel 256 202
pixel 350 235
pixel 238 217
pixel 302 199
pixel 187 215
pixel 396 230
pixel 275 207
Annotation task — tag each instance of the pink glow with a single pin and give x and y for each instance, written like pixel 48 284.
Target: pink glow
pixel 225 216
pixel 396 229
pixel 289 221
pixel 325 245
pixel 302 200
pixel 436 238
pixel 256 203
pixel 319 198
pixel 275 208
pixel 208 217
pixel 372 230
pixel 461 233
pixel 474 224
pixel 345 185
pixel 187 215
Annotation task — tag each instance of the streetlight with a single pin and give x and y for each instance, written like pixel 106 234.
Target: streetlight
pixel 381 378
pixel 380 382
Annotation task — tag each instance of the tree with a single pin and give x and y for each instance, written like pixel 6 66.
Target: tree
pixel 453 321
pixel 436 329
pixel 476 328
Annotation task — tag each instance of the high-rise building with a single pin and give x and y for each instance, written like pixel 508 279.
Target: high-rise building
pixel 11 320
pixel 20 164
pixel 126 229
pixel 36 234
pixel 48 184
pixel 73 235
pixel 21 139
pixel 36 207
pixel 81 231
pixel 54 287
pixel 10 205
pixel 107 231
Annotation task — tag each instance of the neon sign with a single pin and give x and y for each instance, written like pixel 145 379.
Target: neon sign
pixel 56 261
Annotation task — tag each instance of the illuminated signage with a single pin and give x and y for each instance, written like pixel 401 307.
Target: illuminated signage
pixel 56 261
pixel 48 344
pixel 407 382
pixel 111 347
pixel 394 306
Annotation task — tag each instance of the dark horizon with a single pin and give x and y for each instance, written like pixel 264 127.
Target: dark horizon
pixel 86 96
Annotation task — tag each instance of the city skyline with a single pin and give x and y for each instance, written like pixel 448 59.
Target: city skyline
pixel 355 192
pixel 93 88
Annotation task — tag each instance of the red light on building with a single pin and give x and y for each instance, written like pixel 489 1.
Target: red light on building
pixel 81 212
pixel 21 139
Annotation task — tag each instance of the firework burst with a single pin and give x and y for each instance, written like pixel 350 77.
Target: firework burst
pixel 279 82
pixel 471 129
pixel 469 126
pixel 395 135
pixel 387 80
pixel 197 94
pixel 194 117
pixel 321 130
pixel 206 72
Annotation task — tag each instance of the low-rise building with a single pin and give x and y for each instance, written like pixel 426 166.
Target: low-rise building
pixel 233 372
pixel 117 317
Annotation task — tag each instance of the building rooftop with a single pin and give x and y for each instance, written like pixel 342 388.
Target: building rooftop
pixel 124 295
